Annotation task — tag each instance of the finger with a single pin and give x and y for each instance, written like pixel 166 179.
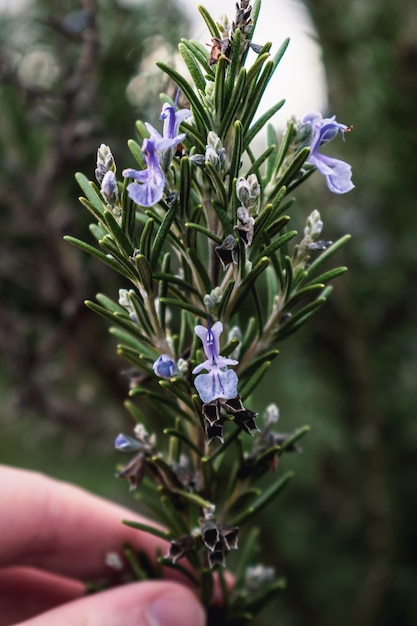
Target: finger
pixel 138 604
pixel 25 592
pixel 55 526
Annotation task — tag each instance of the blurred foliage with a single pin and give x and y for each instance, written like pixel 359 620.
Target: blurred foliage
pixel 344 533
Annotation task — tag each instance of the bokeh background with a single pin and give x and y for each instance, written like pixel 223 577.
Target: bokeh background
pixel 75 74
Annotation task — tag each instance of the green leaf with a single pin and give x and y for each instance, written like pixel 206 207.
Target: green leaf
pixel 120 321
pixel 161 534
pixel 211 24
pixel 185 186
pixel 245 286
pixel 260 123
pixel 276 245
pixel 172 432
pixel 195 136
pixel 168 278
pixel 254 380
pixel 177 522
pixel 258 600
pixel 301 294
pixel 324 278
pixel 185 306
pixel 283 147
pixel 251 369
pixel 235 161
pixel 327 254
pixel 146 238
pixel 179 568
pixel 111 262
pixel 136 151
pixel 233 66
pixel 205 231
pixel 220 101
pixel 254 168
pixel 125 246
pixel 98 215
pixel 299 318
pixel 254 98
pixel 293 168
pixel 200 114
pixel 260 503
pixel 224 302
pixel 217 183
pixel 91 192
pixel 201 270
pixel 280 53
pixel 300 432
pixel 233 105
pixel 200 53
pixel 247 555
pixel 161 235
pixel 193 66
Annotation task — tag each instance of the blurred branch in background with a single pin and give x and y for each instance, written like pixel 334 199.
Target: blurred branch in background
pixel 64 76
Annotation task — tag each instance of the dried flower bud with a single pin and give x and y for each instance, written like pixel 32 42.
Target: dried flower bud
pixel 134 471
pixel 227 251
pixel 179 547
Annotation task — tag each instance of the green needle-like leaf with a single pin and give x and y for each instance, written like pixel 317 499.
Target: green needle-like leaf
pixel 260 503
pixel 157 532
pixel 211 24
pixel 193 66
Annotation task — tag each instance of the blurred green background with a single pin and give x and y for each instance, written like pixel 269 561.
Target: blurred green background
pixel 79 74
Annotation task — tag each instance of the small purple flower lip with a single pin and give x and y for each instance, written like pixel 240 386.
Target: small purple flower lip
pixel 172 120
pixel 220 382
pixel 148 186
pixel 338 173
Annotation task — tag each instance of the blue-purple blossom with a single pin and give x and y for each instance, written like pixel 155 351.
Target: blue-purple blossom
pixel 172 120
pixel 164 366
pixel 338 173
pixel 108 187
pixel 148 186
pixel 124 443
pixel 219 382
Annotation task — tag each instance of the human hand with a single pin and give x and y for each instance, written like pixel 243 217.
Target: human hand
pixel 54 535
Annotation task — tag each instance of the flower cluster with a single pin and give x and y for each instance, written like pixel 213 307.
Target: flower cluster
pixel 217 281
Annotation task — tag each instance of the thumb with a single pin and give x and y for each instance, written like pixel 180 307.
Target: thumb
pixel 136 604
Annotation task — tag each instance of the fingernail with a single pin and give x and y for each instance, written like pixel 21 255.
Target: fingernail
pixel 176 609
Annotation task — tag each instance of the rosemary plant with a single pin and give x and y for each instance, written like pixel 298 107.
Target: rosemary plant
pixel 213 280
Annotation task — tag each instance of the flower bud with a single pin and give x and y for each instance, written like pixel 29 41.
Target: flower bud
pixel 164 366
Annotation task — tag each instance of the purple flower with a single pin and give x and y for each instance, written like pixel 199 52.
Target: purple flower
pixel 109 187
pixel 219 382
pixel 172 120
pixel 124 443
pixel 164 366
pixel 149 183
pixel 338 173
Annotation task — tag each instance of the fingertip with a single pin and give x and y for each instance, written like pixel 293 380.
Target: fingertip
pixel 137 604
pixel 177 606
